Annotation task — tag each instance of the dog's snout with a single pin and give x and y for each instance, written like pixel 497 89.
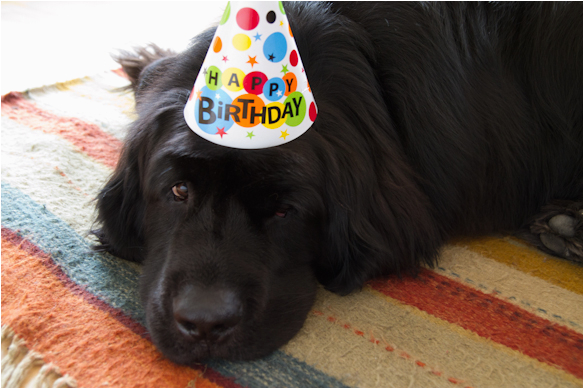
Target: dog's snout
pixel 206 313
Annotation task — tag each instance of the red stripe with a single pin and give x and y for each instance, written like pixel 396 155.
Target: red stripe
pixel 489 317
pixel 87 138
pixel 119 315
pixel 120 72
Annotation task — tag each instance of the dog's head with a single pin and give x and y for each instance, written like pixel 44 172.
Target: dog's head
pixel 230 238
pixel 234 241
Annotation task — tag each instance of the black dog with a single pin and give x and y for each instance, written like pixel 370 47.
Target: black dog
pixel 435 120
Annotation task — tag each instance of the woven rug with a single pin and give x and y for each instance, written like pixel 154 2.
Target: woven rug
pixel 495 313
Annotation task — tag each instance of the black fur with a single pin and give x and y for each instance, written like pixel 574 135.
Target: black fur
pixel 435 120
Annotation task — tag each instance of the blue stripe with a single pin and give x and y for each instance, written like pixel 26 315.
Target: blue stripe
pixel 278 370
pixel 109 278
pixel 115 281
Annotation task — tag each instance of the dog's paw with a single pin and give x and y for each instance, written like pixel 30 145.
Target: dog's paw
pixel 557 230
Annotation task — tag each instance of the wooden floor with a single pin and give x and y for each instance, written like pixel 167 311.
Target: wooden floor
pixel 48 42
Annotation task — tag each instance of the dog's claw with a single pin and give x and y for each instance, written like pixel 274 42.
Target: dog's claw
pixel 564 225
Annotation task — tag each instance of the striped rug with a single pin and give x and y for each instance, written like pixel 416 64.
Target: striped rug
pixel 495 313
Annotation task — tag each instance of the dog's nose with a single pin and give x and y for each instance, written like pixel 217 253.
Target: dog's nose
pixel 206 313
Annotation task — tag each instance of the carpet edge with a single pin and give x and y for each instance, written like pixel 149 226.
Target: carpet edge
pixel 22 367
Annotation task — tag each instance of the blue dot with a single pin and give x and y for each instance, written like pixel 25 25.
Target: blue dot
pixel 211 107
pixel 274 89
pixel 275 47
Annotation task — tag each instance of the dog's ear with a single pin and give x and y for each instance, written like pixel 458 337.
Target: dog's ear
pixel 120 212
pixel 379 222
pixel 120 208
pixel 143 65
pixel 120 204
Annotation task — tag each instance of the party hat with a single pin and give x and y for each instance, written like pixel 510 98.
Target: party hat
pixel 252 91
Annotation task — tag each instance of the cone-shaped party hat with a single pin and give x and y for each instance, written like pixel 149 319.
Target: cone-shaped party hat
pixel 252 91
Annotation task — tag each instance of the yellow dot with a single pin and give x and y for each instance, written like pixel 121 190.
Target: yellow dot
pixel 232 79
pixel 275 115
pixel 241 42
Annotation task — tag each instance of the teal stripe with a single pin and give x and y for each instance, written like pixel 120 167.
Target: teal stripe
pixel 109 278
pixel 278 370
pixel 115 281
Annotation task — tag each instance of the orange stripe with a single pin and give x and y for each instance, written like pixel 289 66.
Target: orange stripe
pixel 84 341
pixel 489 317
pixel 87 138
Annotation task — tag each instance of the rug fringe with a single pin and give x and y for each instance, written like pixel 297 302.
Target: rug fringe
pixel 23 367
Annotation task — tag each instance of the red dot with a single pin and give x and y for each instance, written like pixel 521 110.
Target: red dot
pixel 293 58
pixel 254 83
pixel 312 111
pixel 247 18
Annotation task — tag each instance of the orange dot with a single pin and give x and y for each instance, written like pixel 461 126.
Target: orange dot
pixel 290 29
pixel 290 82
pixel 249 105
pixel 217 45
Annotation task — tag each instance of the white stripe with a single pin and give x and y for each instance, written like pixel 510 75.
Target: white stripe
pixel 89 101
pixel 32 161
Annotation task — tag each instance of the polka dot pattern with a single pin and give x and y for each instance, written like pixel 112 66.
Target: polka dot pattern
pixel 247 18
pixel 251 80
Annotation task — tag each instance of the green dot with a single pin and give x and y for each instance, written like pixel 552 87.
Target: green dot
pixel 213 78
pixel 295 103
pixel 227 12
pixel 282 7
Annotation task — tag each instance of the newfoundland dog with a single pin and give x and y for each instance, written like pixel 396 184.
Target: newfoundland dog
pixel 435 121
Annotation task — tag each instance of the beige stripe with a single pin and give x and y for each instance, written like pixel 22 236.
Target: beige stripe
pixel 87 100
pixel 423 346
pixel 528 292
pixel 46 168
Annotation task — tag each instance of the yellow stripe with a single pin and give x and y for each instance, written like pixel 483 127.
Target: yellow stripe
pixel 513 253
pixel 65 86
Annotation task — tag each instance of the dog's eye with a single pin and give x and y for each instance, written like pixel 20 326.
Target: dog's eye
pixel 282 212
pixel 180 191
